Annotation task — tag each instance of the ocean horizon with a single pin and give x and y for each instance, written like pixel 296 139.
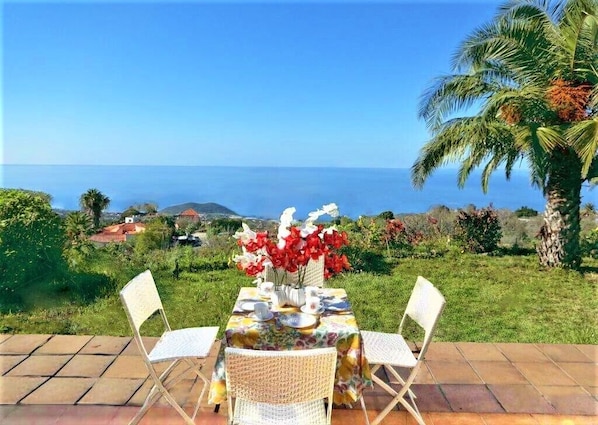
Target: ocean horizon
pixel 265 192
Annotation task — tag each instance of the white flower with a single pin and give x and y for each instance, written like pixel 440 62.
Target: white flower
pixel 286 219
pixel 330 229
pixel 331 210
pixel 246 259
pixel 246 235
pixel 308 228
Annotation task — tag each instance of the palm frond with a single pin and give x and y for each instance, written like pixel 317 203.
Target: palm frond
pixel 583 137
pixel 450 93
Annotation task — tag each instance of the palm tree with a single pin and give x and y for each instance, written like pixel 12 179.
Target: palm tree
pixel 531 76
pixel 77 226
pixel 93 202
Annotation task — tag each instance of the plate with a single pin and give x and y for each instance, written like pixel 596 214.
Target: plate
pixel 319 311
pixel 337 305
pixel 254 317
pixel 298 320
pixel 248 305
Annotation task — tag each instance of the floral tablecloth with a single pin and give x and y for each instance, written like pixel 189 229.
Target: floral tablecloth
pixel 337 329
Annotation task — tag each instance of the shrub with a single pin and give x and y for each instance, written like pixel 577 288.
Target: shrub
pixel 224 225
pixel 31 240
pixel 589 244
pixel 526 212
pixel 478 230
pixel 386 215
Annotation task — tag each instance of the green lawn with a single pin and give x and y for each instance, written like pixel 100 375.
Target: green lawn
pixel 489 299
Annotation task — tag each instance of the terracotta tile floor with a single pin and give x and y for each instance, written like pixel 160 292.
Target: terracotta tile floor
pixel 46 379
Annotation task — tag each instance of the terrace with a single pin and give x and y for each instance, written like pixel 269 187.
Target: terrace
pixel 61 379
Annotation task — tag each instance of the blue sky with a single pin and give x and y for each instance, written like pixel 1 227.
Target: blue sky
pixel 330 84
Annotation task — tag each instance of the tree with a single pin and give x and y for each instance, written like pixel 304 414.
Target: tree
pixel 93 203
pixel 31 240
pixel 77 227
pixel 157 235
pixel 531 77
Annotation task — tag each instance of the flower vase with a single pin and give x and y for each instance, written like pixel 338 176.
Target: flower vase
pixel 288 295
pixel 296 296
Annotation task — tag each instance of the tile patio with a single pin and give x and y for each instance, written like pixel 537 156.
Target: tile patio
pixel 59 379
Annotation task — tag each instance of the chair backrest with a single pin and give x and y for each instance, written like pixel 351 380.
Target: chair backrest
pixel 140 299
pixel 314 274
pixel 280 377
pixel 425 306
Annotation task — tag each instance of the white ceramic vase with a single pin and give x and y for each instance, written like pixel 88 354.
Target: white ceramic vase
pixel 288 295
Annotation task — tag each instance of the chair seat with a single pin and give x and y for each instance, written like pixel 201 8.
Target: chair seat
pixel 189 342
pixel 388 349
pixel 250 413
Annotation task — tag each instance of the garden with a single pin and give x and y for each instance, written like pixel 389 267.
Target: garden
pixel 483 260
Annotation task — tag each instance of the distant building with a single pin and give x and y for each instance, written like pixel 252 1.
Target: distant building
pixel 190 214
pixel 118 233
pixel 187 218
pixel 132 219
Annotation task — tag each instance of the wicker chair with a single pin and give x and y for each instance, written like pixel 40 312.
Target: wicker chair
pixel 390 350
pixel 314 274
pixel 141 300
pixel 280 387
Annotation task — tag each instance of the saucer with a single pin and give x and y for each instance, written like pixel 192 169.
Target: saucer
pixel 318 311
pixel 268 317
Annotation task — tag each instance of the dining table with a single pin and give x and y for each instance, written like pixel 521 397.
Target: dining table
pixel 290 329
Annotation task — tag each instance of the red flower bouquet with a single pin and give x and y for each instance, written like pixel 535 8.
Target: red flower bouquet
pixel 294 247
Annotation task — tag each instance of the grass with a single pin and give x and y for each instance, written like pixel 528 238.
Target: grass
pixel 489 299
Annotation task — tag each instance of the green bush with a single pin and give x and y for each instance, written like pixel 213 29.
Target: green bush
pixel 224 225
pixel 478 230
pixel 589 244
pixel 526 212
pixel 31 240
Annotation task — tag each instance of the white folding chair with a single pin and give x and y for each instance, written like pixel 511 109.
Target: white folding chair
pixel 314 274
pixel 390 350
pixel 141 300
pixel 280 387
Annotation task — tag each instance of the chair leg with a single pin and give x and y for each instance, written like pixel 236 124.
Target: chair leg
pixel 365 411
pixel 160 389
pixel 399 397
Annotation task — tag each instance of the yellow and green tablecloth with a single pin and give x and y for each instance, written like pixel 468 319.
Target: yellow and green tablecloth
pixel 338 329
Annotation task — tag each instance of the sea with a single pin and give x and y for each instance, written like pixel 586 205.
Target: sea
pixel 264 192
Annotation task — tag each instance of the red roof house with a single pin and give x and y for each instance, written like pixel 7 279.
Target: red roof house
pixel 118 233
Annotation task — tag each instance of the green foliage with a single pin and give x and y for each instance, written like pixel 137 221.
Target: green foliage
pixel 224 225
pixel 589 244
pixel 526 212
pixel 386 215
pixel 129 212
pixel 31 240
pixel 157 235
pixel 478 230
pixel 521 303
pixel 78 227
pixel 187 226
pixel 366 260
pixel 94 202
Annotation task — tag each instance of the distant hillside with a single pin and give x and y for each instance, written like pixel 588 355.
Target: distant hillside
pixel 207 208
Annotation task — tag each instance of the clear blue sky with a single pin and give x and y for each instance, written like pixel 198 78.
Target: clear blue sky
pixel 332 84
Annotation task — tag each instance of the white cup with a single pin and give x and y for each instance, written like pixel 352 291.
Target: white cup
pixel 311 291
pixel 312 304
pixel 266 288
pixel 261 310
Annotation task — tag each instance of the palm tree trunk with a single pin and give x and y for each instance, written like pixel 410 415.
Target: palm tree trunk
pixel 559 234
